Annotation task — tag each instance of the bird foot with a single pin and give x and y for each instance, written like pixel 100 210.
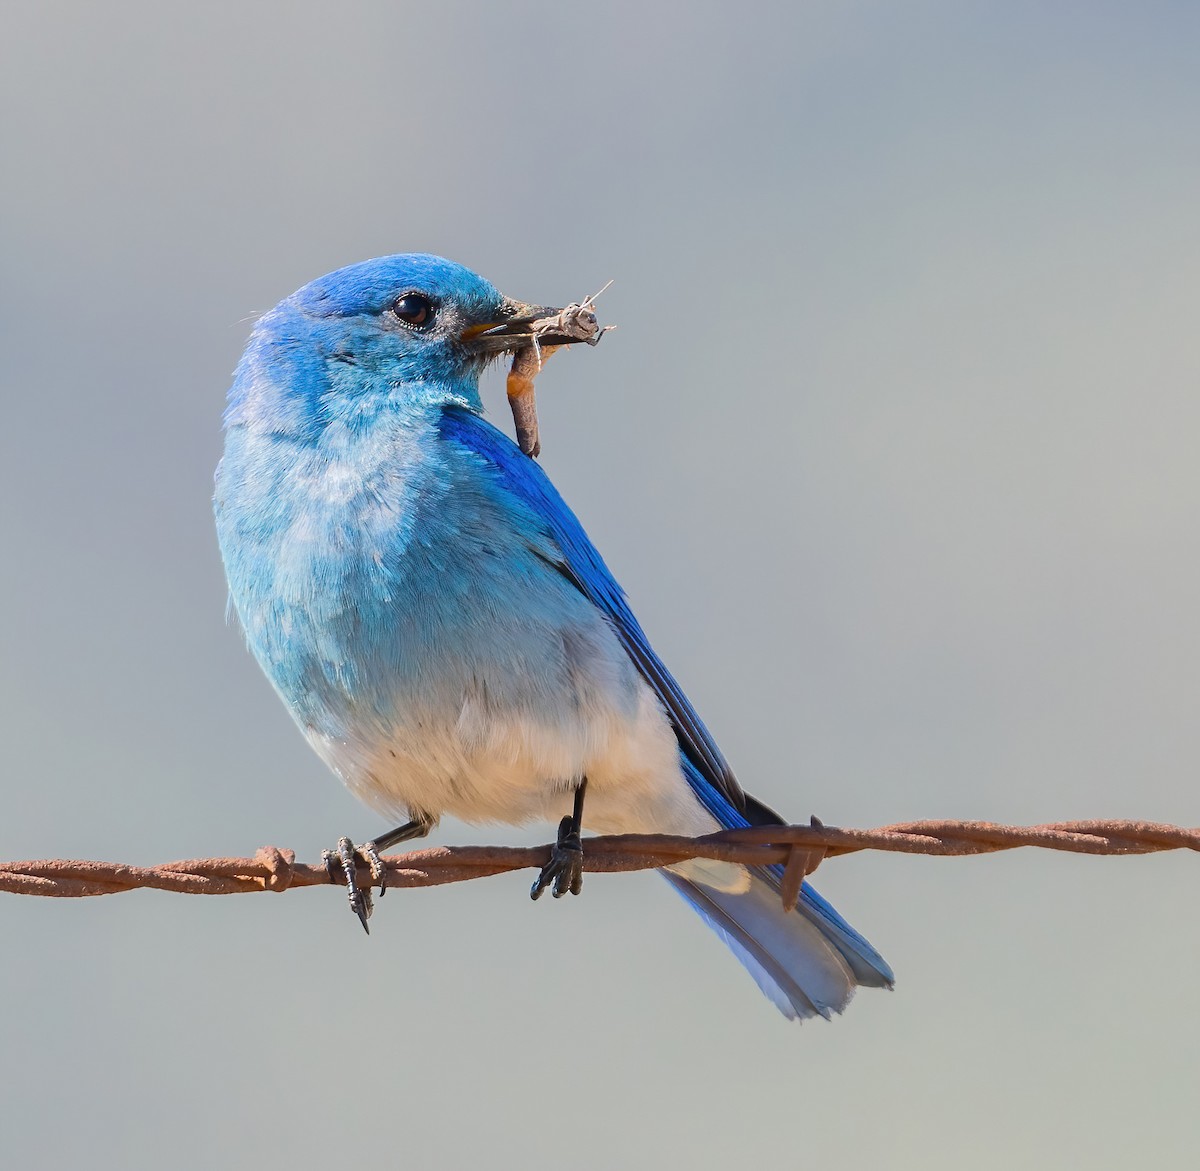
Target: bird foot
pixel 343 867
pixel 564 871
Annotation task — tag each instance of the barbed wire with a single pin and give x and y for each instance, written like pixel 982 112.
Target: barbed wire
pixel 799 848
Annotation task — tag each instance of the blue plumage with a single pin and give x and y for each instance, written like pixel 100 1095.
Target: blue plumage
pixel 437 620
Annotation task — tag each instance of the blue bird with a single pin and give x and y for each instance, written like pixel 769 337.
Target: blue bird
pixel 443 631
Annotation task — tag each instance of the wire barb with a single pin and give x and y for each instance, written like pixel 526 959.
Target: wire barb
pixel 798 848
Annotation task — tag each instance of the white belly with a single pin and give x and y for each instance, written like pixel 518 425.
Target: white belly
pixel 514 770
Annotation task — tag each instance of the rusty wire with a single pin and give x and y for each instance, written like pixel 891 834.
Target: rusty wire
pixel 799 848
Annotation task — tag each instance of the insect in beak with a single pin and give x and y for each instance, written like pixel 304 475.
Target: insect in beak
pixel 532 333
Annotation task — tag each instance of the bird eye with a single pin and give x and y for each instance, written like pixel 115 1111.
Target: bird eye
pixel 414 309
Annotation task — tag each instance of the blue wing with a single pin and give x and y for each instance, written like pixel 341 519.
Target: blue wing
pixel 710 775
pixel 802 971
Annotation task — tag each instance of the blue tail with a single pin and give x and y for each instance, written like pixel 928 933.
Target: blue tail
pixel 808 961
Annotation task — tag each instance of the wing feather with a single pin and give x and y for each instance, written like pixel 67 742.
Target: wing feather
pixel 577 558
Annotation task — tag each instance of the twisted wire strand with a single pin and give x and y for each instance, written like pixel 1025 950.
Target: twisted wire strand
pixel 799 848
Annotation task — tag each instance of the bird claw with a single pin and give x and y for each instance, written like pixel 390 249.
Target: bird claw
pixel 564 871
pixel 342 867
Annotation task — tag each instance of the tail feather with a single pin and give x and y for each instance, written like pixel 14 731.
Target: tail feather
pixel 870 969
pixel 808 962
pixel 800 974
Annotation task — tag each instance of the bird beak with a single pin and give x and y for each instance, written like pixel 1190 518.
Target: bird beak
pixel 518 325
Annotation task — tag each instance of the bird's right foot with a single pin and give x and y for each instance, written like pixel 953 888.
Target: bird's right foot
pixel 564 872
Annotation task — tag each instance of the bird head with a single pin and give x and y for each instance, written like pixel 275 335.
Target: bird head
pixel 397 332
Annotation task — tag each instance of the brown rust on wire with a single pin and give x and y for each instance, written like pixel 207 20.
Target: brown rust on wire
pixel 801 862
pixel 797 847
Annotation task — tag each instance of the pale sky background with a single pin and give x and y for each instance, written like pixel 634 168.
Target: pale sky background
pixel 895 451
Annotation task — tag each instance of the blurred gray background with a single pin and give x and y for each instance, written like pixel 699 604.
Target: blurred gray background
pixel 894 450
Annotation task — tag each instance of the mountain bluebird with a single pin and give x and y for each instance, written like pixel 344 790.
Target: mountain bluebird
pixel 442 629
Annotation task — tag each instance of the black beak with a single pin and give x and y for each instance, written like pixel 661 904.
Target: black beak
pixel 518 325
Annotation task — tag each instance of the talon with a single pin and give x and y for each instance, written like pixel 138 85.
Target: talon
pixel 342 859
pixel 370 853
pixel 564 871
pixel 342 868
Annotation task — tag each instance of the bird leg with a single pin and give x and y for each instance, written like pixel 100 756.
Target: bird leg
pixel 342 867
pixel 565 868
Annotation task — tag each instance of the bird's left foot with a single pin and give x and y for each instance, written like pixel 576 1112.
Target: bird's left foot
pixel 342 864
pixel 564 871
pixel 343 867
